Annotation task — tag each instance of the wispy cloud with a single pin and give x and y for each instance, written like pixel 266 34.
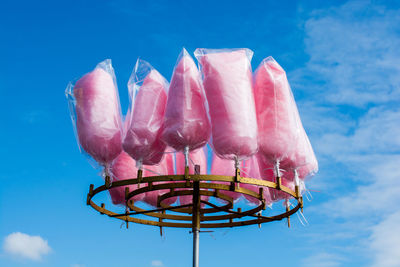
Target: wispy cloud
pixel 322 259
pixel 156 263
pixel 385 242
pixel 353 53
pixel 352 84
pixel 376 132
pixel 24 246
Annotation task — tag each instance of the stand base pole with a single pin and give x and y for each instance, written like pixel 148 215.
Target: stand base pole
pixel 196 248
pixel 196 219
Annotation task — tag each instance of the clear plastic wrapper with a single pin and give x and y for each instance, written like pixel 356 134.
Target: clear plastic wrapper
pixel 277 128
pixel 148 94
pixel 310 168
pixel 96 113
pixel 268 172
pixel 197 157
pixel 164 168
pixel 287 180
pixel 226 167
pixel 186 124
pixel 251 170
pixel 123 168
pixel 227 80
pixel 302 160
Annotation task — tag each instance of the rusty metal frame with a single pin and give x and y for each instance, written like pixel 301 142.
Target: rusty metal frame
pixel 196 185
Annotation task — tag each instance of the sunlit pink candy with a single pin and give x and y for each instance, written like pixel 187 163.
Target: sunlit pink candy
pixel 311 168
pixel 275 111
pixel 300 155
pixel 286 180
pixel 303 159
pixel 196 158
pixel 163 168
pixel 186 122
pixel 251 170
pixel 224 167
pixel 266 168
pixel 228 86
pixel 169 159
pixel 123 168
pixel 278 195
pixel 308 170
pixel 98 119
pixel 142 140
pixel 267 173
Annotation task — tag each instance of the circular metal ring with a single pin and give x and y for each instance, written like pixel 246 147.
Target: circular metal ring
pixel 185 182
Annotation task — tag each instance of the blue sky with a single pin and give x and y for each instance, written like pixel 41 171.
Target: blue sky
pixel 342 60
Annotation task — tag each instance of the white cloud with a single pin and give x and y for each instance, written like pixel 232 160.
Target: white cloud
pixel 156 263
pixel 25 246
pixel 352 85
pixel 78 265
pixel 384 241
pixel 322 259
pixel 377 196
pixel 353 53
pixel 318 119
pixel 376 132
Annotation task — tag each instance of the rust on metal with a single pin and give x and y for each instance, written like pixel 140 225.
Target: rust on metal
pixel 194 215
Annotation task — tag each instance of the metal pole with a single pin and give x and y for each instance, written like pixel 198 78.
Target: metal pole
pixel 196 219
pixel 196 248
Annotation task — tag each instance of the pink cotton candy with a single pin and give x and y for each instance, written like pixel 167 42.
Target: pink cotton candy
pixel 142 140
pixel 227 168
pixel 302 157
pixel 311 166
pixel 195 158
pixel 170 162
pixel 281 133
pixel 275 111
pixel 123 168
pixel 308 170
pixel 186 122
pixel 279 195
pixel 228 86
pixel 164 168
pixel 266 168
pixel 267 173
pixel 251 170
pixel 98 115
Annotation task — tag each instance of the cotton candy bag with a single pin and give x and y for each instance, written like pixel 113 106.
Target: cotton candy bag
pixel 164 168
pixel 96 113
pixel 267 173
pixel 224 167
pixel 251 170
pixel 302 162
pixel 275 106
pixel 227 80
pixel 123 168
pixel 148 94
pixel 195 158
pixel 186 123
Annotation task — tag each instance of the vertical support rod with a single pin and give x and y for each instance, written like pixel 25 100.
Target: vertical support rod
pixel 196 218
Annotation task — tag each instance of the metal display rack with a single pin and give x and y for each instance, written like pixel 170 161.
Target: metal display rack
pixel 200 214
